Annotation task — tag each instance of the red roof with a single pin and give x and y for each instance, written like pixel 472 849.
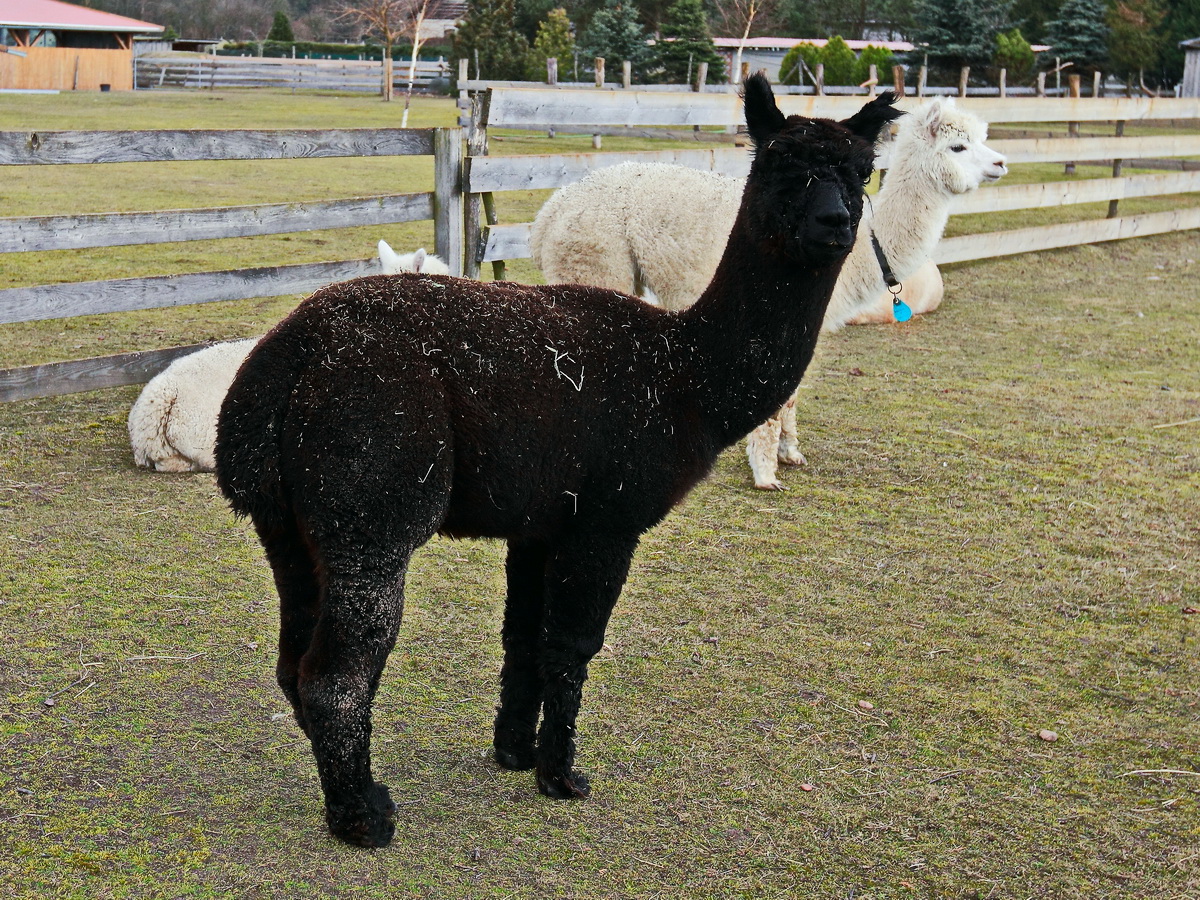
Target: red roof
pixel 59 16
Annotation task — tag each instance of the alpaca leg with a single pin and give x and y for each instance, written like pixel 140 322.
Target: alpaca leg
pixel 762 449
pixel 299 603
pixel 520 679
pixel 584 577
pixel 336 682
pixel 789 447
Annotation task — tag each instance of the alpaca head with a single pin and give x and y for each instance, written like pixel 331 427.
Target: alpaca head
pixel 418 261
pixel 947 145
pixel 804 196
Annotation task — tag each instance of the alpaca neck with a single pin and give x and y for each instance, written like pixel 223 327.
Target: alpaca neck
pixel 909 215
pixel 752 333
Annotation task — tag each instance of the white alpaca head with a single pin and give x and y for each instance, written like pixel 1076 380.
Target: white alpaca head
pixel 946 145
pixel 418 261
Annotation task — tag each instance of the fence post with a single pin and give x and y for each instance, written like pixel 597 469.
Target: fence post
pixel 1041 84
pixel 599 64
pixel 1096 83
pixel 820 85
pixel 551 70
pixel 701 79
pixel 1073 88
pixel 898 80
pixel 922 77
pixel 872 79
pixel 1112 204
pixel 962 80
pixel 626 74
pixel 448 212
pixel 1003 83
pixel 745 73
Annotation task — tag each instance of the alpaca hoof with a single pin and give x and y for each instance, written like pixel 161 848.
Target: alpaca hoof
pixel 792 458
pixel 770 486
pixel 367 823
pixel 571 786
pixel 516 748
pixel 516 759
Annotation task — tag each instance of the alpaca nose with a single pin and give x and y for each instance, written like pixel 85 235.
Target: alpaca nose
pixel 836 226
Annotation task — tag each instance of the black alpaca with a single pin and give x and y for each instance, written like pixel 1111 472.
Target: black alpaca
pixel 565 419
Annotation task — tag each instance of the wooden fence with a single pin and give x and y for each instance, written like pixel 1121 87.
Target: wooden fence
pixel 180 70
pixel 461 204
pixel 489 241
pixel 443 205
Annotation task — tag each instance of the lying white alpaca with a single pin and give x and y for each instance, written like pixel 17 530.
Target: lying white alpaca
pixel 173 422
pixel 641 227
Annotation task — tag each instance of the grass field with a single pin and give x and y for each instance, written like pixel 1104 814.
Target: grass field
pixel 831 692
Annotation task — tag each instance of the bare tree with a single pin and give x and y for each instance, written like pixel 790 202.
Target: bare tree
pixel 390 20
pixel 739 17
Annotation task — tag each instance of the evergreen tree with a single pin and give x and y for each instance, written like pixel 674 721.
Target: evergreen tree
pixel 790 69
pixel 488 38
pixel 957 33
pixel 839 61
pixel 530 14
pixel 281 29
pixel 1135 39
pixel 554 39
pixel 686 43
pixel 1015 56
pixel 616 35
pixel 1080 34
pixel 1182 23
pixel 879 57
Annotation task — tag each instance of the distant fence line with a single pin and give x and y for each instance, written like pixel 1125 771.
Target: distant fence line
pixel 197 71
pixel 468 233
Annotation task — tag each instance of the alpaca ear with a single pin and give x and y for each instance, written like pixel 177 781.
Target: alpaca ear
pixel 763 118
pixel 870 121
pixel 387 256
pixel 933 115
pixel 418 260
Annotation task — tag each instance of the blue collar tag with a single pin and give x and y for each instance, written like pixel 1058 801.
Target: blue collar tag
pixel 900 310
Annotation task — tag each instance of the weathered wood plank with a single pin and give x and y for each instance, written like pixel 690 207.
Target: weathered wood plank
pixel 1061 193
pixel 555 106
pixel 1048 237
pixel 59 301
pixel 55 379
pixel 448 208
pixel 514 173
pixel 169 225
pixel 1026 150
pixel 19 148
pixel 505 242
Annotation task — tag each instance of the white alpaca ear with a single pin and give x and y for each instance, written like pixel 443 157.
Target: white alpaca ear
pixel 418 260
pixel 387 257
pixel 934 114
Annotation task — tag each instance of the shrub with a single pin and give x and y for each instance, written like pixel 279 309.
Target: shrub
pixel 790 69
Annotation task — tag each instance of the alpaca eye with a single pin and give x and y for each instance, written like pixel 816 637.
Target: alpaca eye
pixel 959 148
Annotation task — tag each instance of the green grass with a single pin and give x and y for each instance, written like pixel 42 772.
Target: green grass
pixel 992 538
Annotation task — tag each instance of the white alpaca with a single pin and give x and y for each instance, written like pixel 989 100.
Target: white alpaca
pixel 645 227
pixel 173 422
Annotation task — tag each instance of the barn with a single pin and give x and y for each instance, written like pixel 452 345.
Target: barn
pixel 51 45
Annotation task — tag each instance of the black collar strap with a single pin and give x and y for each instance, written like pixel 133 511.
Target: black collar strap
pixel 888 275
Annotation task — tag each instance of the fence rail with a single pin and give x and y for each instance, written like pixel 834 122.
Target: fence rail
pixel 213 72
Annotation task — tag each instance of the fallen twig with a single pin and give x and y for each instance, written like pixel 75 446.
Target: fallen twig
pixel 1159 772
pixel 1175 424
